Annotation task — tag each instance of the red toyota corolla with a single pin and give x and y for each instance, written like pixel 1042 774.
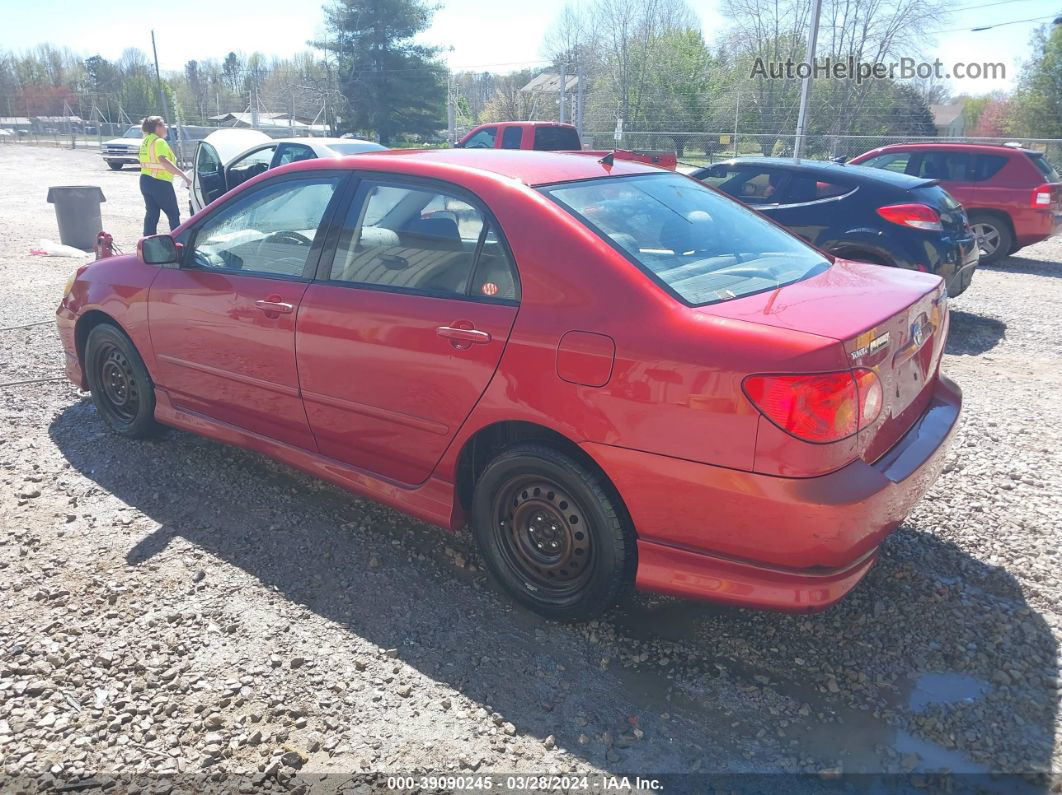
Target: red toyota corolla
pixel 618 375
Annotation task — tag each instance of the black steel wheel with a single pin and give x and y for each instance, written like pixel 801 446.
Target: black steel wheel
pixel 119 381
pixel 553 533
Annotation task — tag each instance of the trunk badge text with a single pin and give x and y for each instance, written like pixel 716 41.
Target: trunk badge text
pixel 876 344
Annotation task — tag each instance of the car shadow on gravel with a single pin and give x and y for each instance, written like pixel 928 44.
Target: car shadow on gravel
pixel 1026 265
pixel 972 334
pixel 935 661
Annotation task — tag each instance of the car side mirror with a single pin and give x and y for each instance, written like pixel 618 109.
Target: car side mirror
pixel 158 250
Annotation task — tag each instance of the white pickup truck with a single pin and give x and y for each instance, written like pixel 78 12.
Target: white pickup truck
pixel 120 151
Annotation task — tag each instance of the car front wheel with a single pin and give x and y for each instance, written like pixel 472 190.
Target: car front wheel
pixel 120 385
pixel 553 534
pixel 993 237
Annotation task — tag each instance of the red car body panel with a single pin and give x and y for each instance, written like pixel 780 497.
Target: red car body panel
pixel 1009 191
pixel 647 387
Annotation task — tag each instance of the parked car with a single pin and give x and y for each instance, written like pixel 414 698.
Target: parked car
pixel 618 375
pixel 220 167
pixel 119 152
pixel 857 213
pixel 1012 195
pixel 551 136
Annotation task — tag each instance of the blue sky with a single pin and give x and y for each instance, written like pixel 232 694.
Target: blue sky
pixel 496 34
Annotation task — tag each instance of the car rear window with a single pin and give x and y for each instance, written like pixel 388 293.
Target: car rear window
pixel 357 149
pixel 1045 167
pixel 698 245
pixel 553 139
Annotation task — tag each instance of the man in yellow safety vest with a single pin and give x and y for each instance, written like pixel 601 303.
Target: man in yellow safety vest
pixel 158 167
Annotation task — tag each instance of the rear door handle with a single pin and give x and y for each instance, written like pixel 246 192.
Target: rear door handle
pixel 273 306
pixel 464 335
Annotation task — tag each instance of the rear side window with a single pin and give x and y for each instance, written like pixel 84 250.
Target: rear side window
pixel 554 139
pixel 948 166
pixel 1044 166
pixel 803 189
pixel 893 161
pixel 987 166
pixel 511 137
pixel 701 247
pixel 426 241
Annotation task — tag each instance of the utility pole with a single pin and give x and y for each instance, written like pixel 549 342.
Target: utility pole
pixel 254 100
pixel 158 79
pixel 451 110
pixel 737 111
pixel 563 99
pixel 580 97
pixel 805 85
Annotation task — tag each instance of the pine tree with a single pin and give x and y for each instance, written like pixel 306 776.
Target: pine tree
pixel 392 86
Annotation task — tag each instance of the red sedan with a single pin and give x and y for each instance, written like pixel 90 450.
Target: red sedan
pixel 616 374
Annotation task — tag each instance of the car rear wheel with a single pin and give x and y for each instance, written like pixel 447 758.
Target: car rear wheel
pixel 993 237
pixel 120 385
pixel 552 534
pixel 116 165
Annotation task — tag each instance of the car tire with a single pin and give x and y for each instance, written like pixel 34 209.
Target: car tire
pixel 993 236
pixel 121 387
pixel 553 533
pixel 115 165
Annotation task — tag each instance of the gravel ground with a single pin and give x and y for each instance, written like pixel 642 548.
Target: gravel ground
pixel 180 606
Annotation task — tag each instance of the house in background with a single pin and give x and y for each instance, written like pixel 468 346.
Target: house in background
pixel 949 119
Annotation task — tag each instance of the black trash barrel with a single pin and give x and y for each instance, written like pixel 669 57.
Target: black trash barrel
pixel 77 209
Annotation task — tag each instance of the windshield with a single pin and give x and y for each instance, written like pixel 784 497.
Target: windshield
pixel 356 148
pixel 1045 167
pixel 700 246
pixel 133 132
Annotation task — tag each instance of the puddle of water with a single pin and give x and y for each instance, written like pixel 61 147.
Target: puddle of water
pixel 945 688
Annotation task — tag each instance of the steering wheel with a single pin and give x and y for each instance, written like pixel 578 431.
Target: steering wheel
pixel 289 235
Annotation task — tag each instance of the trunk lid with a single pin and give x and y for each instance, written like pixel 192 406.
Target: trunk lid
pixel 888 320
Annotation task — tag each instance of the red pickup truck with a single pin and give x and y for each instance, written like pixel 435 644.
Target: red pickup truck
pixel 550 136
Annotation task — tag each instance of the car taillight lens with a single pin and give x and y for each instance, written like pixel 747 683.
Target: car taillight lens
pixel 825 407
pixel 916 216
pixel 1041 197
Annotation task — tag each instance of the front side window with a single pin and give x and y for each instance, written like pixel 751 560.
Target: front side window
pixel 250 165
pixel 484 139
pixel 270 232
pixel 701 247
pixel 293 153
pixel 207 161
pixel 423 240
pixel 750 184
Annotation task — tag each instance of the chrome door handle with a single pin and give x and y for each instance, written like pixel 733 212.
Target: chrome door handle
pixel 465 335
pixel 276 307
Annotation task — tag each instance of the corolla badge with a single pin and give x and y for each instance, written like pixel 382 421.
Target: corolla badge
pixel 918 332
pixel 870 346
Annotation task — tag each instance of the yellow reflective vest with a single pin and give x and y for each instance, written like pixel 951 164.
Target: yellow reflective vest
pixel 152 149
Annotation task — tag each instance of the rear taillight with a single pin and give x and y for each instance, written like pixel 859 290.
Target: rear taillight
pixel 1041 197
pixel 825 407
pixel 916 216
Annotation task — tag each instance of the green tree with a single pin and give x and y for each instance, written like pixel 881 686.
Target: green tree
pixel 1038 101
pixel 391 84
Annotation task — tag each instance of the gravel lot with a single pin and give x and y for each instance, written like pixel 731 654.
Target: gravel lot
pixel 181 606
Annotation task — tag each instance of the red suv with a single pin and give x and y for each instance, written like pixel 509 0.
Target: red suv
pixel 1013 196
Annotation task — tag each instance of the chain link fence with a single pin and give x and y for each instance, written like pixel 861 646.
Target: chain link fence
pixel 703 148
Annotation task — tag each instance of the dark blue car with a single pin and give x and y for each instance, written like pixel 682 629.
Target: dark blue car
pixel 858 213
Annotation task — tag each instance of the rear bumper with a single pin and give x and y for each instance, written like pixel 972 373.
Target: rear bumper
pixel 1035 226
pixel 770 542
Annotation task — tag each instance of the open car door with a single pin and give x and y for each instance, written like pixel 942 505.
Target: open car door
pixel 208 177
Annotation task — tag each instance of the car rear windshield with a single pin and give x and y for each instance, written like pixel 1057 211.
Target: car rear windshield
pixel 1048 170
pixel 700 246
pixel 555 139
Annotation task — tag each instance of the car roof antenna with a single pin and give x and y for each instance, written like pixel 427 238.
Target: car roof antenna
pixel 608 159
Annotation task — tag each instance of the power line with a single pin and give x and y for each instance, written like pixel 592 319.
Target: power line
pixel 997 25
